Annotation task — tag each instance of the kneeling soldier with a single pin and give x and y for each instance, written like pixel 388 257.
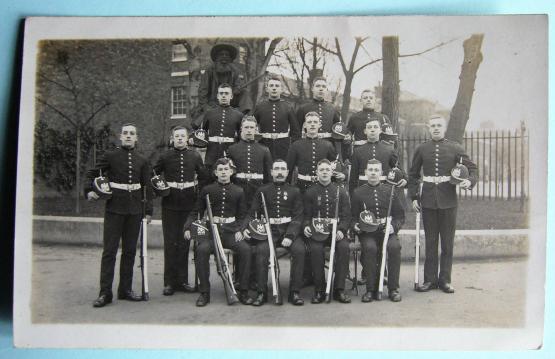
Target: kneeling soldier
pixel 319 209
pixel 228 206
pixel 285 208
pixel 369 216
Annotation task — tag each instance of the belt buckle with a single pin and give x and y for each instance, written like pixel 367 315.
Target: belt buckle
pixel 180 185
pixel 314 178
pixel 274 136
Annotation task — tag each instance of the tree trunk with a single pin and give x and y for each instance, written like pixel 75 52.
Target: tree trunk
pixel 390 89
pixel 346 98
pixel 78 171
pixel 461 109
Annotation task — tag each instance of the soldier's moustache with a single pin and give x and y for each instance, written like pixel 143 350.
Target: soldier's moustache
pixel 222 67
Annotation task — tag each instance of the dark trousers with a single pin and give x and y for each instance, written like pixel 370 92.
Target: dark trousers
pixel 176 248
pixel 439 222
pixel 249 187
pixel 341 265
pixel 371 245
pixel 206 247
pixel 215 151
pixel 126 227
pixel 262 258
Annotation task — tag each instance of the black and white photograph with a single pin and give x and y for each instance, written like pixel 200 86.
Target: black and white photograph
pixel 347 183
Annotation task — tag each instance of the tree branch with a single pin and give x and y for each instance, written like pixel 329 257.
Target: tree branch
pixel 270 52
pixel 43 76
pixel 322 47
pixel 430 49
pixel 106 104
pixel 340 56
pixel 367 64
pixel 63 115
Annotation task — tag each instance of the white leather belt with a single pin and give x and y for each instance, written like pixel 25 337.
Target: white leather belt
pixel 223 219
pixel 276 135
pixel 250 175
pixel 126 187
pixel 280 220
pixel 307 178
pixel 182 185
pixel 220 139
pixel 328 220
pixel 324 135
pixel 364 178
pixel 359 142
pixel 436 179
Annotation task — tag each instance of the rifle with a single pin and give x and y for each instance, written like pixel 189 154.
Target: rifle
pixel 332 247
pixel 144 240
pixel 384 245
pixel 274 263
pixel 221 262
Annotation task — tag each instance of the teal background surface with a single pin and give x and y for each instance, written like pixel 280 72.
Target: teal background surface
pixel 12 13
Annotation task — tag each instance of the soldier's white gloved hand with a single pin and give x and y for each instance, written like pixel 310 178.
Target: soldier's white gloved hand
pixel 91 196
pixel 465 184
pixel 356 227
pixel 307 232
pixel 238 236
pixel 286 242
pixel 415 205
pixel 187 235
pixel 340 235
pixel 390 228
pixel 246 233
pixel 191 142
pixel 402 183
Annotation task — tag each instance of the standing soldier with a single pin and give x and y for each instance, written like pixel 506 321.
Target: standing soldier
pixel 252 161
pixel 285 208
pixel 373 148
pixel 229 209
pixel 319 208
pixel 369 209
pixel 182 167
pixel 222 124
pixel 325 110
pixel 357 122
pixel 437 158
pixel 307 152
pixel 129 173
pixel 276 120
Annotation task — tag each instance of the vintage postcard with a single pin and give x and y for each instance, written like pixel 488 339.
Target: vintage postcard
pixel 282 183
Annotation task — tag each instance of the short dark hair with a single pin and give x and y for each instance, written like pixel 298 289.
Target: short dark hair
pixel 223 161
pixel 323 161
pixel 279 160
pixel 224 85
pixel 312 114
pixel 176 128
pixel 366 90
pixel 249 118
pixel 374 161
pixel 375 119
pixel 435 116
pixel 319 78
pixel 274 77
pixel 129 124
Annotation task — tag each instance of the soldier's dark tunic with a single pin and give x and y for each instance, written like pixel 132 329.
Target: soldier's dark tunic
pixel 181 169
pixel 376 200
pixel 378 150
pixel 305 155
pixel 285 209
pixel 319 201
pixel 357 124
pixel 124 210
pixel 328 114
pixel 438 201
pixel 253 163
pixel 278 126
pixel 223 125
pixel 229 209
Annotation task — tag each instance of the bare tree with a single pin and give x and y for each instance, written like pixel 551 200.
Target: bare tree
pixel 77 104
pixel 461 108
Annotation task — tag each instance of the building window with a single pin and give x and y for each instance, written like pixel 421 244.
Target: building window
pixel 179 53
pixel 179 102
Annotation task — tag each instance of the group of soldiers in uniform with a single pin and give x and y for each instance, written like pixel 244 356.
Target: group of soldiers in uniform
pixel 296 161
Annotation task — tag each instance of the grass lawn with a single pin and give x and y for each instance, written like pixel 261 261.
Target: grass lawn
pixel 472 214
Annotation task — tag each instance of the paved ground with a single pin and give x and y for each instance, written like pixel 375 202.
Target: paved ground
pixel 65 279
